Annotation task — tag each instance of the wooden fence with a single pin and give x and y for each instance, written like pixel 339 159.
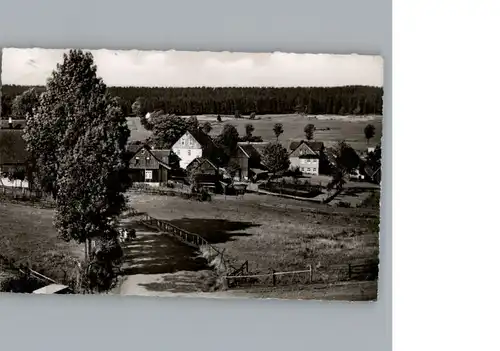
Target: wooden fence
pixel 24 195
pixel 191 239
pixel 25 270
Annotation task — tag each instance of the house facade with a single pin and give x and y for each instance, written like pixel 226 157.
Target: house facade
pixel 204 174
pixel 150 166
pixel 192 146
pixel 248 157
pixel 306 156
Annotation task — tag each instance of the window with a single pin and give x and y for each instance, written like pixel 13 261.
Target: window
pixel 137 160
pixel 148 175
pixel 308 169
pixel 183 142
pixel 190 142
pixel 308 160
pixel 189 152
pixel 147 160
pixel 302 169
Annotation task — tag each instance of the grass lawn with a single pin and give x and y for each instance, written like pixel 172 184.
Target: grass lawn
pixel 275 233
pixel 331 129
pixel 27 235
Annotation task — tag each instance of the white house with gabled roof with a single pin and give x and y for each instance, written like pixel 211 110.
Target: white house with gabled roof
pixel 192 146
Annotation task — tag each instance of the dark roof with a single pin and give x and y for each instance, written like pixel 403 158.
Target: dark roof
pixel 330 154
pixel 201 137
pixel 316 146
pixel 133 148
pixel 12 147
pixel 161 155
pixel 197 162
pixel 253 150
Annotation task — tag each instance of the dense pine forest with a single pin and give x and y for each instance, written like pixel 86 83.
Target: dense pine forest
pixel 348 100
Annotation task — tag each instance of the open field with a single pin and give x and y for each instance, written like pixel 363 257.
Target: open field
pixel 28 236
pixel 275 233
pixel 330 129
pixel 350 129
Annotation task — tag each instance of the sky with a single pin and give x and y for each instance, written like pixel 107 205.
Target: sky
pixel 191 69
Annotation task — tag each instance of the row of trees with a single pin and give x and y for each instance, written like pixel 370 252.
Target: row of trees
pixel 137 101
pixel 76 135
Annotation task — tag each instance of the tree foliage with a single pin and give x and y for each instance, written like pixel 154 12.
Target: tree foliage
pixel 275 158
pixel 249 129
pixel 206 127
pixel 138 107
pixel 309 131
pixel 227 142
pixel 225 101
pixel 167 129
pixel 346 161
pixel 278 130
pixel 369 132
pixel 25 104
pixel 78 137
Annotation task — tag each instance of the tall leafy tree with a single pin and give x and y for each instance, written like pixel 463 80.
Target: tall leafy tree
pixel 207 127
pixel 369 132
pixel 192 124
pixel 278 130
pixel 227 142
pixel 346 161
pixel 275 158
pixel 78 137
pixel 249 129
pixel 139 107
pixel 25 104
pixel 167 129
pixel 309 130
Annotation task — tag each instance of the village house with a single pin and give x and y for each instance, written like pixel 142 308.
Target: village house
pixel 13 159
pixel 306 156
pixel 191 146
pixel 148 165
pixel 203 173
pixel 248 157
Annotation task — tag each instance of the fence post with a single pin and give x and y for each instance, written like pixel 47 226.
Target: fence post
pixel 310 274
pixel 274 277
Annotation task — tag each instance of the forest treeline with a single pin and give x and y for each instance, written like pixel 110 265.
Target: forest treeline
pixel 347 100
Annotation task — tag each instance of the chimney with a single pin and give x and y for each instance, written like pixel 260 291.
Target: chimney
pixel 10 123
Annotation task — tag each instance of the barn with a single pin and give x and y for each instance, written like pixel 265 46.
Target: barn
pixel 150 166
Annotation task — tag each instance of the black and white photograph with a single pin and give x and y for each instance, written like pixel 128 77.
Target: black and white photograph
pixel 190 174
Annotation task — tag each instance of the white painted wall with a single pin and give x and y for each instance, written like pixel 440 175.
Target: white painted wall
pixel 309 166
pixel 187 156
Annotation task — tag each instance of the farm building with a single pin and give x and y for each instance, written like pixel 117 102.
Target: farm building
pixel 306 155
pixel 249 160
pixel 150 166
pixel 13 158
pixel 205 174
pixel 191 146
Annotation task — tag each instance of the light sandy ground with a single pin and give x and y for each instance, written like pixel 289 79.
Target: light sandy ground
pixel 134 285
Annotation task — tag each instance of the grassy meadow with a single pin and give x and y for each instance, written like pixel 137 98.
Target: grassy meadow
pixel 329 129
pixel 28 236
pixel 275 233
